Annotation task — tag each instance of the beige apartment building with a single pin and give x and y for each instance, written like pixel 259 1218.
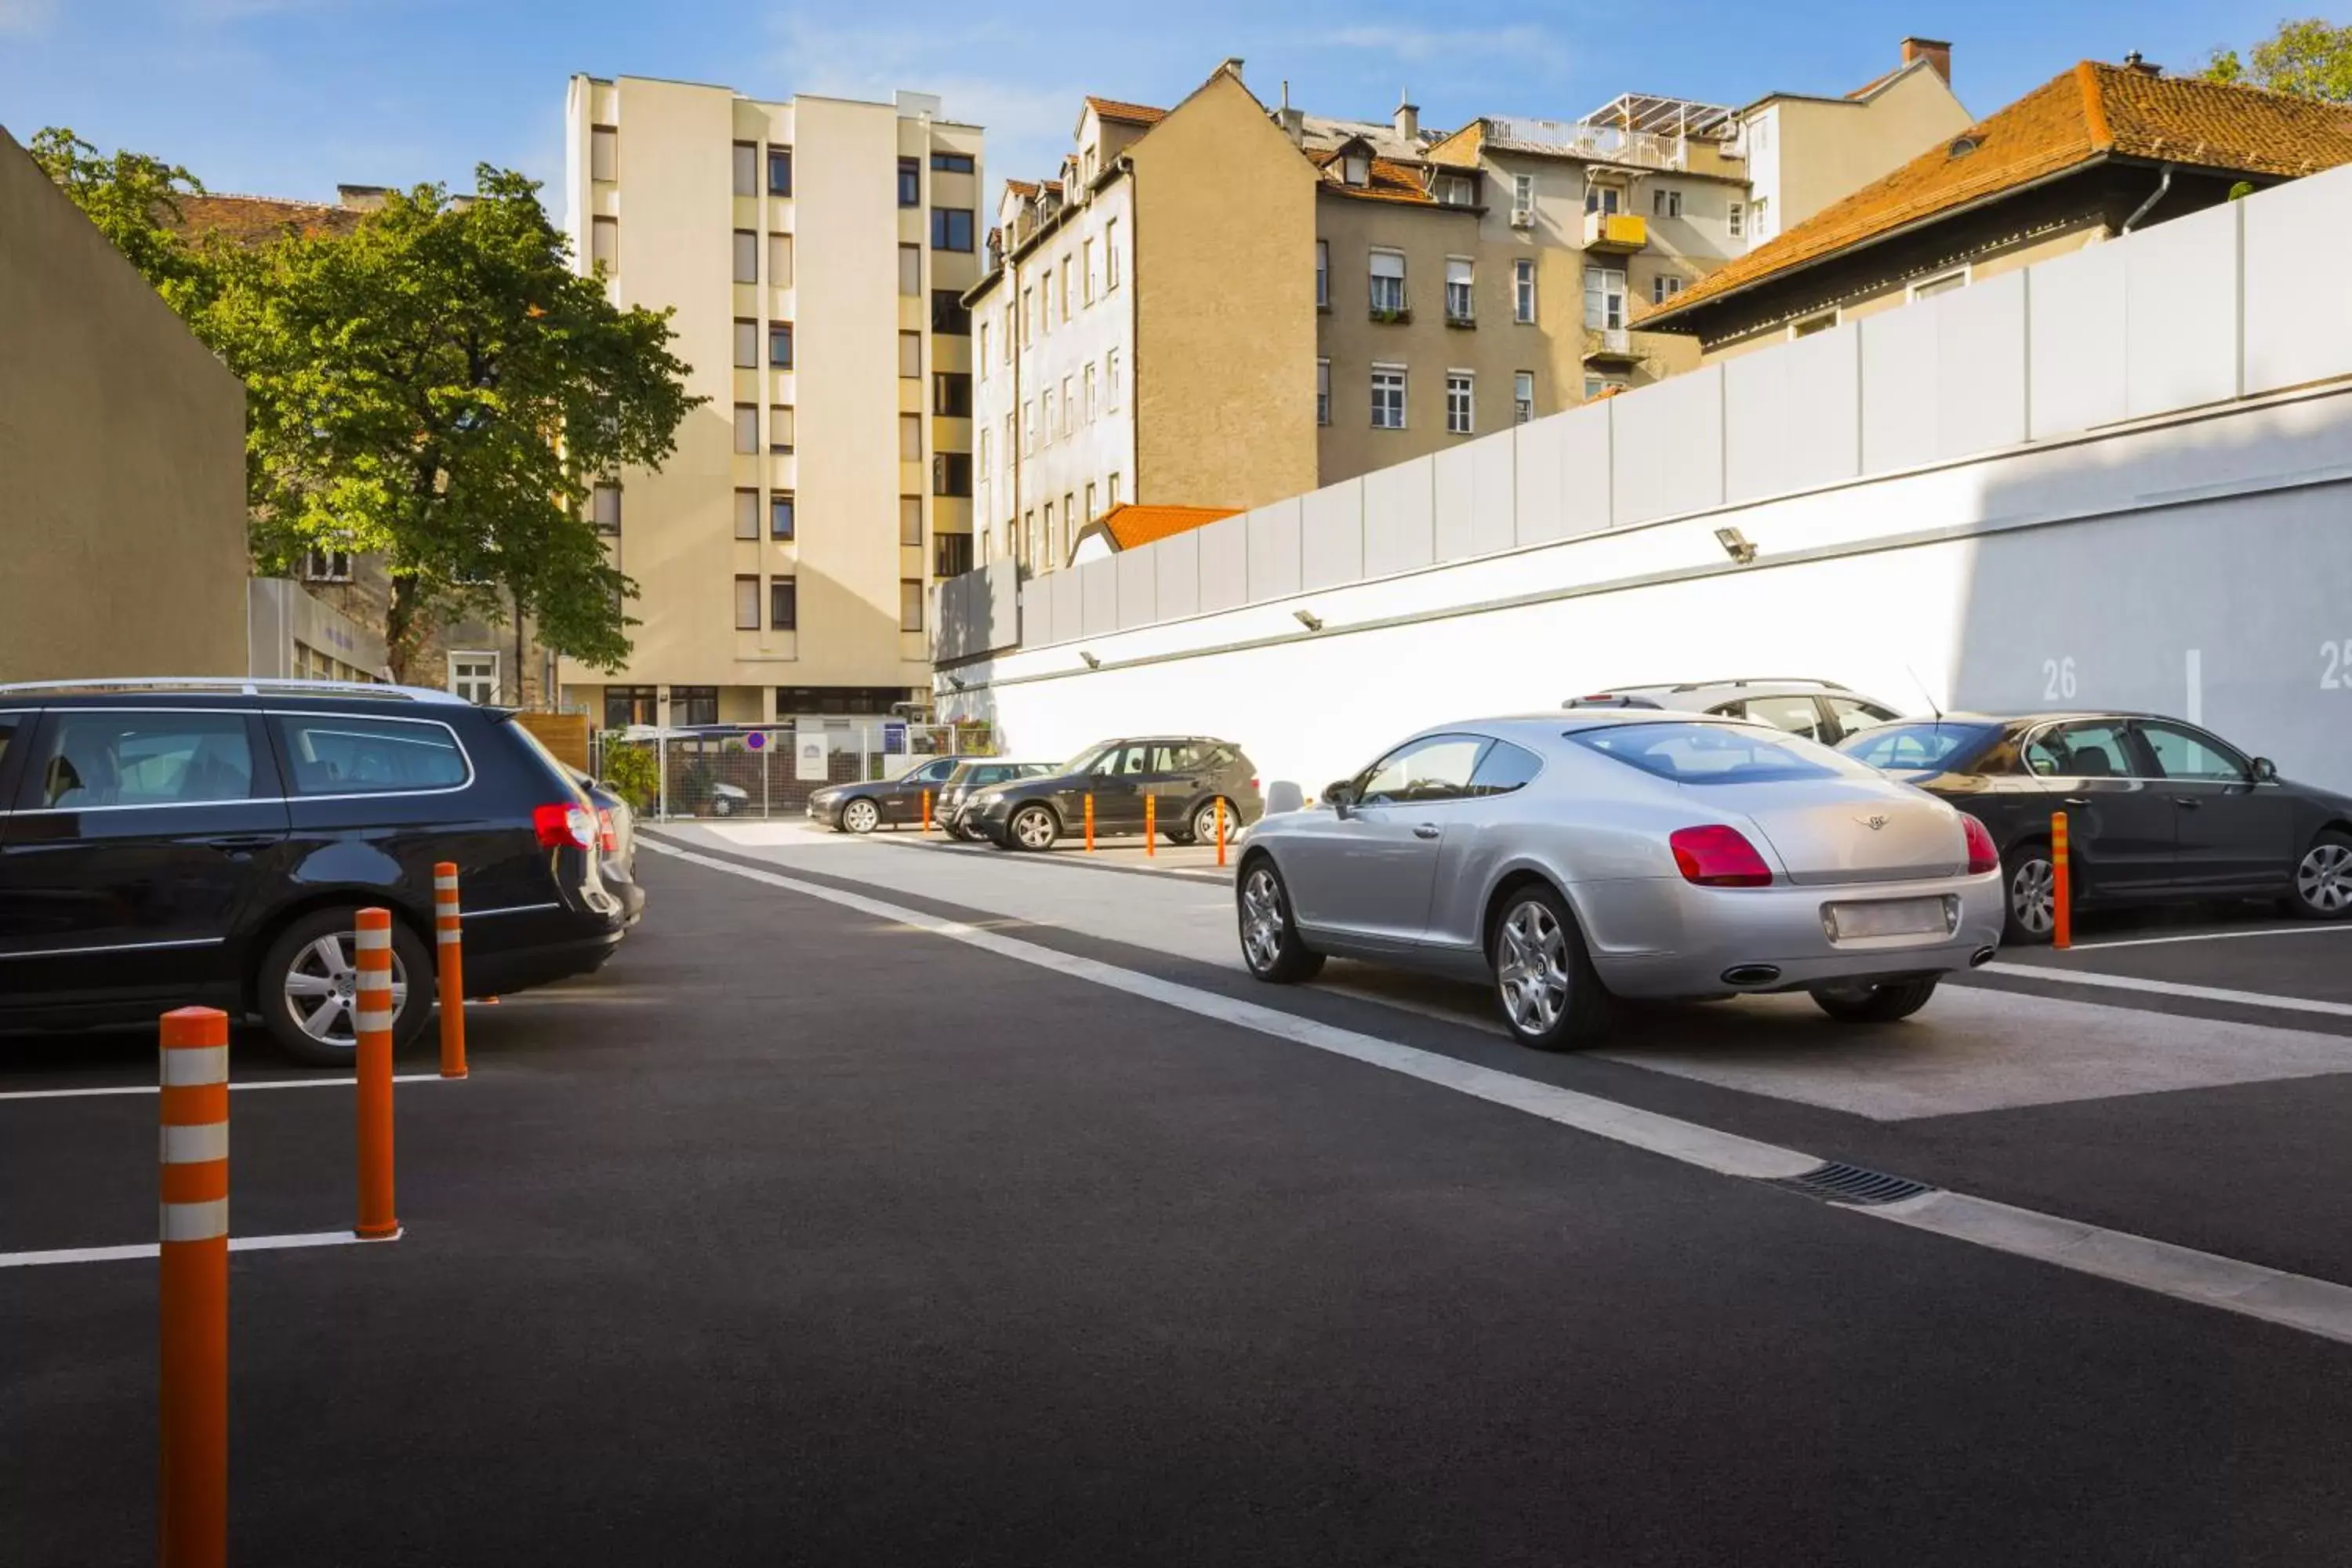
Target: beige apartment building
pixel 814 251
pixel 1804 152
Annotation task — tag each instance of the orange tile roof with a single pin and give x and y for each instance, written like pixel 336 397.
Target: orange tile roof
pixel 1388 181
pixel 2091 113
pixel 1132 525
pixel 1131 113
pixel 257 220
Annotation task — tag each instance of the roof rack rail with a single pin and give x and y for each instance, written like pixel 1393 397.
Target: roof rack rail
pixel 246 686
pixel 1764 681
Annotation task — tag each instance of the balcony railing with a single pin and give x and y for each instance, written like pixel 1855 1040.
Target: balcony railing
pixel 1615 234
pixel 1608 345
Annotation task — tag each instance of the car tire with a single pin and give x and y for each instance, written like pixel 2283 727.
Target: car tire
pixel 2027 895
pixel 1882 1004
pixel 723 805
pixel 2323 878
pixel 1544 982
pixel 861 816
pixel 1204 822
pixel 1271 946
pixel 297 970
pixel 1033 827
pixel 1178 836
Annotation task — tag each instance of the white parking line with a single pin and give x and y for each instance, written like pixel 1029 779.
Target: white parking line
pixel 2314 1306
pixel 2170 988
pixel 149 1248
pixel 256 1083
pixel 2309 930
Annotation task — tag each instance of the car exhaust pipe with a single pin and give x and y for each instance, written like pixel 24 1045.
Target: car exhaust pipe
pixel 1981 957
pixel 1751 974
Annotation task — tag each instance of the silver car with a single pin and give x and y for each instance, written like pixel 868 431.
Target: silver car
pixel 1576 857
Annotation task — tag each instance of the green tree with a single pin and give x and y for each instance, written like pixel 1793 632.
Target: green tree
pixel 2311 59
pixel 134 200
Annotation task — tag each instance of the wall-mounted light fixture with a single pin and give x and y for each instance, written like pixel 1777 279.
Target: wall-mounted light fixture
pixel 1309 619
pixel 1735 544
pixel 1092 662
pixel 955 682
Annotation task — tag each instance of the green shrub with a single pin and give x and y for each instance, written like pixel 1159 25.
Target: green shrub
pixel 630 769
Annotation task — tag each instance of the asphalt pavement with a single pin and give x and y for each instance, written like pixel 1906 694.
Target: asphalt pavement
pixel 815 1231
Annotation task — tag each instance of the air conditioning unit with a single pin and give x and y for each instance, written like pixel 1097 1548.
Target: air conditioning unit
pixel 1523 217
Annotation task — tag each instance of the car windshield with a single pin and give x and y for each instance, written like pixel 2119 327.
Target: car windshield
pixel 1084 760
pixel 1895 747
pixel 1715 754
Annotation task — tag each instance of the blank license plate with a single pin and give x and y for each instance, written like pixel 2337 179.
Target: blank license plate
pixel 1890 917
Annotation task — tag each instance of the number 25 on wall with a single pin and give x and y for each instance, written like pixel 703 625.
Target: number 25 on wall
pixel 2335 666
pixel 2058 679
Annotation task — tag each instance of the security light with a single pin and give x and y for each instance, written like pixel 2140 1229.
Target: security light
pixel 1092 662
pixel 1309 619
pixel 1735 544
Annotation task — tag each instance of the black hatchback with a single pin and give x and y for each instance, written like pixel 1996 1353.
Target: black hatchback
pixel 165 844
pixel 2157 810
pixel 1186 778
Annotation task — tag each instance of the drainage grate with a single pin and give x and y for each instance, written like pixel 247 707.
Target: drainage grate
pixel 1837 1183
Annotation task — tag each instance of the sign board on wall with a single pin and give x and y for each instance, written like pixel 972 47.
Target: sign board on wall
pixel 811 758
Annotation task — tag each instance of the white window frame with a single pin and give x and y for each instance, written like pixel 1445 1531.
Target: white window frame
pixel 459 684
pixel 1523 192
pixel 1523 291
pixel 1374 279
pixel 1382 375
pixel 1322 274
pixel 323 563
pixel 1469 287
pixel 1462 418
pixel 1736 216
pixel 1322 392
pixel 1523 397
pixel 1960 276
pixel 1665 202
pixel 1665 287
pixel 1623 296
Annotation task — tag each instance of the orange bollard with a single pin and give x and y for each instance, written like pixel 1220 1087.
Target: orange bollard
pixel 1151 824
pixel 927 814
pixel 1221 830
pixel 449 944
pixel 193 1396
pixel 1090 822
pixel 2062 885
pixel 372 1019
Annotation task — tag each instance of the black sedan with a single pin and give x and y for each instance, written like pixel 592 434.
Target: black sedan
pixel 2156 810
pixel 862 807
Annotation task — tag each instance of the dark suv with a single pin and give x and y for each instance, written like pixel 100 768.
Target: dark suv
pixel 191 842
pixel 1183 776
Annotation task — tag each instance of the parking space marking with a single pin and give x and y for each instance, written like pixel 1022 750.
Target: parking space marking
pixel 149 1249
pixel 2215 936
pixel 2293 1301
pixel 102 1091
pixel 2169 988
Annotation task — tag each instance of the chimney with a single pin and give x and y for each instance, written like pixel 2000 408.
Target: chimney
pixel 2133 62
pixel 1232 65
pixel 1935 51
pixel 1408 121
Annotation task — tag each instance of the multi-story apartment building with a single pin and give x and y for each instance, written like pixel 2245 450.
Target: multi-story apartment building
pixel 814 251
pixel 1804 152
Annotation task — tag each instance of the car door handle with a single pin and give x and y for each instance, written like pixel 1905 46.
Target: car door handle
pixel 2075 800
pixel 1427 830
pixel 244 841
pixel 2187 801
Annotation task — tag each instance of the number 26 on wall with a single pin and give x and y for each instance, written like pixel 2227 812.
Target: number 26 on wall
pixel 2058 679
pixel 2335 666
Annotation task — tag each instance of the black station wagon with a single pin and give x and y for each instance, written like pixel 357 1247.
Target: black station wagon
pixel 168 843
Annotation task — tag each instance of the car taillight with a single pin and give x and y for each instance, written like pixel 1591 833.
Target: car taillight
pixel 1983 855
pixel 1253 786
pixel 1717 855
pixel 607 840
pixel 564 826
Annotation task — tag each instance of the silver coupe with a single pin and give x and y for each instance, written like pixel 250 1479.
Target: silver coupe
pixel 1573 857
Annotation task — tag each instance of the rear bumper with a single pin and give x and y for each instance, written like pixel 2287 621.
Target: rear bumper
pixel 506 971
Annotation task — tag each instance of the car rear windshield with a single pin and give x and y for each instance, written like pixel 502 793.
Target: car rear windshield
pixel 1713 753
pixel 1916 746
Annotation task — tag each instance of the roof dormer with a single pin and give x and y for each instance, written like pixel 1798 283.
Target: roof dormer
pixel 1353 158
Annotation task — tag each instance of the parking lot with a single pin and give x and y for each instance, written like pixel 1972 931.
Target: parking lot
pixel 886 1204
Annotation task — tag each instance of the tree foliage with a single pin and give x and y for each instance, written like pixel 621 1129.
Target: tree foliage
pixel 2311 59
pixel 134 200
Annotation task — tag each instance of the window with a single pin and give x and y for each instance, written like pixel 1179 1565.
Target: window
pixel 2093 750
pixel 1029 540
pixel 1604 298
pixel 1811 324
pixel 747 428
pixel 1028 319
pixel 1110 254
pixel 1503 769
pixel 1523 397
pixel 910 437
pixel 1665 287
pixel 779 260
pixel 1603 199
pixel 1715 754
pixel 1051 549
pixel 980 359
pixel 627 705
pixel 1943 283
pixel 603 152
pixel 747 255
pixel 747 514
pixel 1388 284
pixel 1458 191
pixel 1110 379
pixel 910 182
pixel 1523 291
pixel 1458 289
pixel 949 318
pixel 1763 208
pixel 8 726
pixel 605 508
pixel 1796 715
pixel 985 445
pixel 1852 715
pixel 1090 500
pixel 911 356
pixel 1601 386
pixel 475 677
pixel 747 613
pixel 1459 412
pixel 780 171
pixel 1917 746
pixel 1090 390
pixel 1322 274
pixel 1437 767
pixel 838 698
pixel 780 429
pixel 1664 202
pixel 1029 428
pixel 1012 331
pixel 2183 753
pixel 1322 392
pixel 952 163
pixel 96 758
pixel 781 518
pixel 1523 195
pixel 1086 268
pixel 911 520
pixel 325 565
pixel 1736 217
pixel 747 344
pixel 911 604
pixel 1048 425
pixel 747 168
pixel 1067 268
pixel 779 345
pixel 1069 406
pixel 700 704
pixel 605 244
pixel 950 475
pixel 342 755
pixel 910 271
pixel 952 395
pixel 1113 492
pixel 950 554
pixel 1045 304
pixel 1356 169
pixel 1388 399
pixel 951 228
pixel 783 605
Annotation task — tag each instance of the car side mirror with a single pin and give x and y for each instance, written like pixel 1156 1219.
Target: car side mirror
pixel 1339 796
pixel 2265 770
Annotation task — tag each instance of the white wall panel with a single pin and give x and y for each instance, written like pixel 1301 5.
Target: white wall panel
pixel 1177 578
pixel 1494 492
pixel 1900 382
pixel 1791 415
pixel 2181 292
pixel 2297 330
pixel 1666 448
pixel 1138 591
pixel 1400 514
pixel 1069 607
pixel 1980 365
pixel 2076 340
pixel 1224 563
pixel 1098 596
pixel 1456 492
pixel 1274 551
pixel 1331 535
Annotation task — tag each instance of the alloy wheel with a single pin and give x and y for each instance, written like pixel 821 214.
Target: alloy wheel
pixel 1261 920
pixel 1531 967
pixel 322 989
pixel 1035 829
pixel 2325 879
pixel 1204 824
pixel 861 816
pixel 2034 896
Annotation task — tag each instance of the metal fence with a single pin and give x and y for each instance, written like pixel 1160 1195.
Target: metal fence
pixel 763 771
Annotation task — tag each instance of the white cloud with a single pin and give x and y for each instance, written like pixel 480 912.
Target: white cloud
pixel 26 17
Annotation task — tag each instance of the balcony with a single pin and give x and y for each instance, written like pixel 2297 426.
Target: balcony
pixel 1615 234
pixel 1610 346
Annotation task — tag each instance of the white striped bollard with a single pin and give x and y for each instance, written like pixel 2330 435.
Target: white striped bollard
pixel 373 1020
pixel 193 1398
pixel 450 944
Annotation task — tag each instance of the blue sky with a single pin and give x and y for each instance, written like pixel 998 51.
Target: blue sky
pixel 289 97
